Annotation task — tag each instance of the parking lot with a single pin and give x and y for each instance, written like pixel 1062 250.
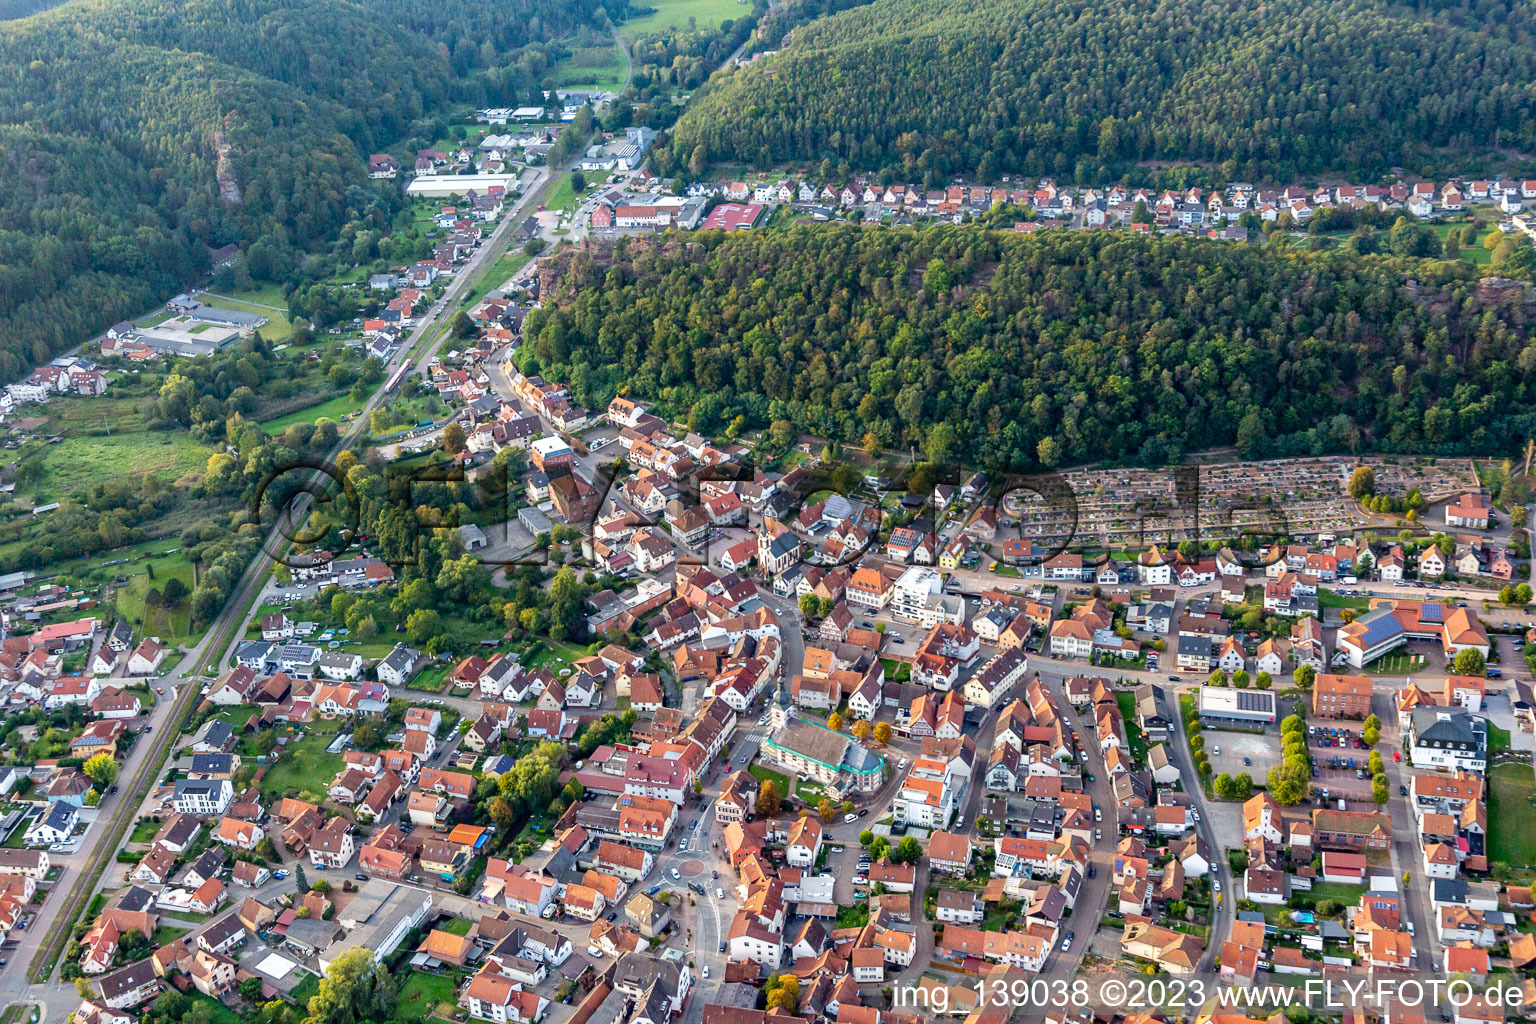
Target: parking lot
pixel 1332 748
pixel 1261 749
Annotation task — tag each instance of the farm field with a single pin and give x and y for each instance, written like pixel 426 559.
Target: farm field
pixel 596 67
pixel 93 460
pixel 675 14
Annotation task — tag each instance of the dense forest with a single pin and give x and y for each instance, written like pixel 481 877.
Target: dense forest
pixel 113 114
pixel 1267 92
pixel 1013 350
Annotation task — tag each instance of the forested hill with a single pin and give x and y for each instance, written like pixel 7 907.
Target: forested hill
pixel 1002 348
pixel 110 111
pixel 1270 91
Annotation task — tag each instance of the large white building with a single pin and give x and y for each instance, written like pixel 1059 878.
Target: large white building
pixel 1228 703
pixel 203 798
pixel 925 803
pixel 918 597
pixel 1448 738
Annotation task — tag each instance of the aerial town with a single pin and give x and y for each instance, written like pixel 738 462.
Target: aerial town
pixel 821 748
pixel 742 512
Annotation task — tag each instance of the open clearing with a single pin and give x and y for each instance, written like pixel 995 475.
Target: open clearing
pixel 675 14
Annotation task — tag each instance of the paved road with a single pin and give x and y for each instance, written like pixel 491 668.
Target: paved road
pixel 1094 893
pixel 1178 750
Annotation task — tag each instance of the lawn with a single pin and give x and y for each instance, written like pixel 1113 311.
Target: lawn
pixel 433 678
pixel 457 926
pixel 1396 664
pixel 275 329
pixel 1343 892
pixel 165 933
pixel 170 624
pixel 305 990
pixel 670 14
pixel 303 766
pixel 762 773
pixel 335 408
pixel 562 196
pixel 1471 254
pixel 422 994
pixel 220 1014
pixel 1127 702
pixel 146 830
pixel 810 792
pixel 238 716
pixel 1498 739
pixel 552 656
pixel 265 295
pixel 1330 599
pixel 1511 798
pixel 854 916
pixel 495 276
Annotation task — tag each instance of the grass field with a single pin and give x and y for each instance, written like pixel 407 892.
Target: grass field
pixel 763 774
pixel 335 408
pixel 1511 790
pixel 275 329
pixel 562 196
pixel 304 765
pixel 422 994
pixel 675 14
pixel 495 276
pixel 596 67
pixel 265 295
pixel 167 623
pixel 77 463
pixel 553 656
pixel 457 926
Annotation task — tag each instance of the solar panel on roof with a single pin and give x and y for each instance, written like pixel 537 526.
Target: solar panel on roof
pixel 1247 700
pixel 1431 612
